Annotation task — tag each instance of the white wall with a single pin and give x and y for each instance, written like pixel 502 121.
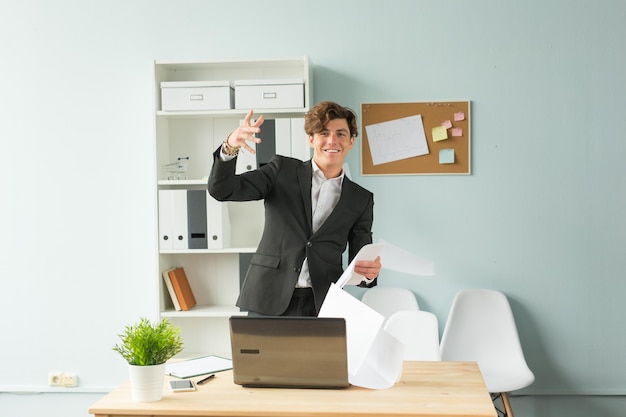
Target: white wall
pixel 541 217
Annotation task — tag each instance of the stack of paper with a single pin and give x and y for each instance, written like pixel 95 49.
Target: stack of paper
pixel 198 366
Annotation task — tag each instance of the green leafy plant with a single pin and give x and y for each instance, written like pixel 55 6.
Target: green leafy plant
pixel 145 344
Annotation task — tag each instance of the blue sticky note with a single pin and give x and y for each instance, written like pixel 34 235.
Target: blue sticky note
pixel 446 156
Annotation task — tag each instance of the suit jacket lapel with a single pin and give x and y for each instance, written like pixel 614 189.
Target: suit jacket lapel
pixel 305 174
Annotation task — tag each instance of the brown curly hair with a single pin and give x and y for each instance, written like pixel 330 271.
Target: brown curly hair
pixel 318 117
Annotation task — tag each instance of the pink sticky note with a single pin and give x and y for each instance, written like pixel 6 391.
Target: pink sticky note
pixel 457 131
pixel 459 116
pixel 447 124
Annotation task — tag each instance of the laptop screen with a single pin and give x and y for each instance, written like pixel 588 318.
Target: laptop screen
pixel 302 352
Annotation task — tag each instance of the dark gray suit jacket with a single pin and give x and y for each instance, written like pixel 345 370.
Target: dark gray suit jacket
pixel 285 186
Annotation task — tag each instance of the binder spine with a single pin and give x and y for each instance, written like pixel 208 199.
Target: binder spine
pixel 197 219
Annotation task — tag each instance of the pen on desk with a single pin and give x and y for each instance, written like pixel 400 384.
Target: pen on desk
pixel 205 380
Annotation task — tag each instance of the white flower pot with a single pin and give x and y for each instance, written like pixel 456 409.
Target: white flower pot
pixel 146 382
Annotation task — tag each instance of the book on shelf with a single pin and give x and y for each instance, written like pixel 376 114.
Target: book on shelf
pixel 181 286
pixel 170 288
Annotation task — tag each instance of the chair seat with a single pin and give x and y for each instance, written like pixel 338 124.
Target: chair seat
pixel 389 300
pixel 418 331
pixel 506 381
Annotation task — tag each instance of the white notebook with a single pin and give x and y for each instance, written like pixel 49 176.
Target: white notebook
pixel 198 366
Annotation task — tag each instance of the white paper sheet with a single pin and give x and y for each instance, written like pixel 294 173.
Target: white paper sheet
pixel 367 253
pixel 359 321
pixel 392 257
pixel 382 367
pixel 374 356
pixel 401 260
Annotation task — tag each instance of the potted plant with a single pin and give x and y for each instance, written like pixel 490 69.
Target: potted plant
pixel 146 347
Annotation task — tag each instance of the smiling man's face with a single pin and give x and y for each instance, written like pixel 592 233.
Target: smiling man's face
pixel 330 147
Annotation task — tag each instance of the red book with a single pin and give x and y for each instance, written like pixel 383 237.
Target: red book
pixel 182 288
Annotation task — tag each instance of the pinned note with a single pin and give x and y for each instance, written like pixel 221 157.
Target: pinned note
pixel 458 116
pixel 446 156
pixel 397 139
pixel 457 132
pixel 447 124
pixel 440 133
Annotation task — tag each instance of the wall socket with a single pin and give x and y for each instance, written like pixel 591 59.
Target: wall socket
pixel 62 379
pixel 55 378
pixel 70 379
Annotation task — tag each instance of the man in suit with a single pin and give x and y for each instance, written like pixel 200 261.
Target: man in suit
pixel 312 213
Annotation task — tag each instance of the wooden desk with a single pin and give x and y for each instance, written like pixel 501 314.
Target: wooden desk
pixel 426 389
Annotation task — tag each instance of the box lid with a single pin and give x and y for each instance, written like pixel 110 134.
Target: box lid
pixel 285 81
pixel 188 84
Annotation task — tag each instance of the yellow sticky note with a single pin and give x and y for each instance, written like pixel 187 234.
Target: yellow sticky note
pixel 440 133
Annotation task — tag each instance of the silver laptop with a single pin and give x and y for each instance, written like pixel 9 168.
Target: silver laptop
pixel 298 352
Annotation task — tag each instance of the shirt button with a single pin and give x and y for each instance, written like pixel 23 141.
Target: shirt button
pixel 309 244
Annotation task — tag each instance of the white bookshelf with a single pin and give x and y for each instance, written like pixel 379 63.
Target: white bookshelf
pixel 214 274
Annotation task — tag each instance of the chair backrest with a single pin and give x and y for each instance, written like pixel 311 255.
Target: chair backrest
pixel 388 300
pixel 418 331
pixel 480 327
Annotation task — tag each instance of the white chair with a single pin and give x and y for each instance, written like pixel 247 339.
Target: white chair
pixel 481 328
pixel 418 331
pixel 388 300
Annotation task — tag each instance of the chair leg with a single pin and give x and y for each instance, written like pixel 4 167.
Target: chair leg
pixel 507 404
pixel 494 397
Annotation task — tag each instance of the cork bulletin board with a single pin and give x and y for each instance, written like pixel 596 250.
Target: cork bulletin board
pixel 416 138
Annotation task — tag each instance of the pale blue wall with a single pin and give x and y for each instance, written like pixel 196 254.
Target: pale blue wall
pixel 541 217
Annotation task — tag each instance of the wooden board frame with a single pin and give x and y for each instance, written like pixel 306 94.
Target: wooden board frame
pixel 433 114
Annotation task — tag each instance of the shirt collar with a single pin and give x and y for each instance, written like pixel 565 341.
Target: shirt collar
pixel 317 171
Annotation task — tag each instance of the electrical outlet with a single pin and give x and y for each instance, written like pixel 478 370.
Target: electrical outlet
pixel 70 379
pixel 55 378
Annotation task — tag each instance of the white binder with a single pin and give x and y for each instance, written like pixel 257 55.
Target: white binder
pixel 283 136
pixel 299 141
pixel 173 219
pixel 246 161
pixel 218 223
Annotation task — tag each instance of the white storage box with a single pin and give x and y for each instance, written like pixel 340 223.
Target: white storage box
pixel 196 95
pixel 269 94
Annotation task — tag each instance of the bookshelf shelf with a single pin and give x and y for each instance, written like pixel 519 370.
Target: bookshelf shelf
pixel 215 311
pixel 207 251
